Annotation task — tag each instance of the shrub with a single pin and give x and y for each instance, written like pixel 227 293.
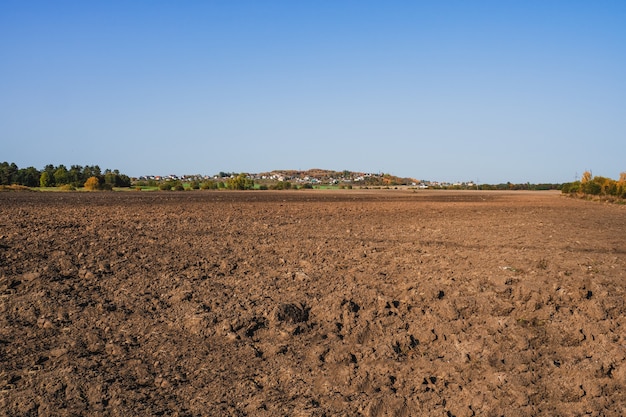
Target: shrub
pixel 281 185
pixel 208 185
pixel 591 187
pixel 14 187
pixel 165 186
pixel 92 184
pixel 605 188
pixel 240 182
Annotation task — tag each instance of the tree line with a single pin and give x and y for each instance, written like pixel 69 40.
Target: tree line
pixel 504 186
pixel 597 186
pixel 56 176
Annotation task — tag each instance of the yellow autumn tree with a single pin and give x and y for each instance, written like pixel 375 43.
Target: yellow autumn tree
pixel 586 177
pixel 621 185
pixel 92 183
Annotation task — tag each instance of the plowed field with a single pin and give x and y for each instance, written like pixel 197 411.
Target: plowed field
pixel 311 303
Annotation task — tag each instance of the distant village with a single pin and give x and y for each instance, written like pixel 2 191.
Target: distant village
pixel 314 177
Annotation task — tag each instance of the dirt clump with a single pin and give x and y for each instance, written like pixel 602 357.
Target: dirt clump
pixel 311 303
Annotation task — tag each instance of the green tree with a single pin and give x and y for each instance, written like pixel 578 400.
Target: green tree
pixel 123 180
pixel 91 171
pixel 44 179
pixel 75 175
pixel 7 173
pixel 115 179
pixel 50 170
pixel 28 177
pixel 61 175
pixel 109 178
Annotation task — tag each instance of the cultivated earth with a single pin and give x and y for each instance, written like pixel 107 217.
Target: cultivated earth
pixel 311 303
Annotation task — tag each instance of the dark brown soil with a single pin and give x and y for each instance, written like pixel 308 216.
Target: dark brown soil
pixel 311 303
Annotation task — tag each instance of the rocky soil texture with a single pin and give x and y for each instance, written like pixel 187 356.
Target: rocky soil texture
pixel 311 303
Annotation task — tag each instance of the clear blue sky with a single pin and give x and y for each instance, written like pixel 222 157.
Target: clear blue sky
pixel 493 91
